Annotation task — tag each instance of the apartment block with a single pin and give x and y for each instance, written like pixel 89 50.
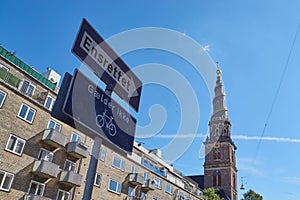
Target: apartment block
pixel 44 158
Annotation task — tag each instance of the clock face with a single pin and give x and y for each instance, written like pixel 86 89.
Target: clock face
pixel 217 145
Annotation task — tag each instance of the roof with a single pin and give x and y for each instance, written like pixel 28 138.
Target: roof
pixel 26 68
pixel 199 179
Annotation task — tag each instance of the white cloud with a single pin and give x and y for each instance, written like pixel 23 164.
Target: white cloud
pixel 249 165
pixel 171 136
pixel 236 137
pixel 294 180
pixel 273 139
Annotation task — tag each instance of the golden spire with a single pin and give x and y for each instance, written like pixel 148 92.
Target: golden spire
pixel 218 70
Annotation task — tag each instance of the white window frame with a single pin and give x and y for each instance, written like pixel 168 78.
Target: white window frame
pixel 55 125
pixel 102 154
pixel 146 176
pixel 15 145
pixel 64 192
pixel 169 189
pixel 71 165
pixel 4 67
pixel 51 104
pixel 134 169
pixel 5 174
pixel 157 183
pixel 95 181
pixel 29 86
pixel 4 97
pixel 26 113
pixel 122 163
pixel 118 187
pixel 39 184
pixel 77 137
pixel 46 156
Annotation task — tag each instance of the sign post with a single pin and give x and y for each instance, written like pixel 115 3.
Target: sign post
pixel 91 173
pixel 86 107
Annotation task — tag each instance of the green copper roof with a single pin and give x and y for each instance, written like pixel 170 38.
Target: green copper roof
pixel 29 70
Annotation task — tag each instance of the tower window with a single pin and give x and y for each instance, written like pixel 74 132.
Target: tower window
pixel 217 154
pixel 217 179
pixel 217 131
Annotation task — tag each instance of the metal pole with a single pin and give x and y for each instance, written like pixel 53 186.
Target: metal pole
pixel 90 176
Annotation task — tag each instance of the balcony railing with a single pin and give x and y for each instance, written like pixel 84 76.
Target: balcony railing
pixel 148 185
pixel 70 178
pixel 54 138
pixel 45 169
pixel 35 197
pixel 136 179
pixel 77 150
pixel 9 78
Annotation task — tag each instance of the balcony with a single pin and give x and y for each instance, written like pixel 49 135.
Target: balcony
pixel 134 198
pixel 77 150
pixel 9 78
pixel 35 197
pixel 180 197
pixel 136 179
pixel 70 178
pixel 54 138
pixel 45 169
pixel 148 185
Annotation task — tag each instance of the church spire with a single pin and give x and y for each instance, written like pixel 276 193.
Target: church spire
pixel 219 101
pixel 220 163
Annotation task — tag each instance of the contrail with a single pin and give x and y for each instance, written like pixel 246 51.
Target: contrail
pixel 236 137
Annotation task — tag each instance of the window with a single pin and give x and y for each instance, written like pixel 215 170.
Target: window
pixel 63 195
pixel 6 180
pixel 134 169
pixel 143 196
pixel 70 166
pixel 26 113
pixel 102 154
pixel 97 180
pixel 217 154
pixel 146 176
pixel 118 163
pixel 15 145
pixel 27 88
pixel 36 188
pixel 76 138
pixel 2 97
pixel 45 155
pixel 4 67
pixel 114 186
pixel 53 124
pixel 49 102
pixel 217 180
pixel 169 188
pixel 157 183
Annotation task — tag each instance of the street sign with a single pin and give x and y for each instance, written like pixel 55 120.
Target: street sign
pixel 91 49
pixel 89 109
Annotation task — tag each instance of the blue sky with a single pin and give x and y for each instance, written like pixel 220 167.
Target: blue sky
pixel 250 39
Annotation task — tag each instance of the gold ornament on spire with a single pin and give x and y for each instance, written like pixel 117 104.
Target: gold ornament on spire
pixel 218 70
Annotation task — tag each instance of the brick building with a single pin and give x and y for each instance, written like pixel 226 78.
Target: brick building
pixel 43 158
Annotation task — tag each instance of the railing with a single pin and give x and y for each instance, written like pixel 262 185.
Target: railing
pixel 153 168
pixel 9 78
pixel 29 70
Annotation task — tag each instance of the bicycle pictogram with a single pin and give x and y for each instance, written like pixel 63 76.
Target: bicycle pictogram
pixel 106 120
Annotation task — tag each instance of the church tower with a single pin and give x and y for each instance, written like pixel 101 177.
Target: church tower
pixel 220 170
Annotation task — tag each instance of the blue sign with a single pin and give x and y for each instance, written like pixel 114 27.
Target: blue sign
pixel 91 49
pixel 89 109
